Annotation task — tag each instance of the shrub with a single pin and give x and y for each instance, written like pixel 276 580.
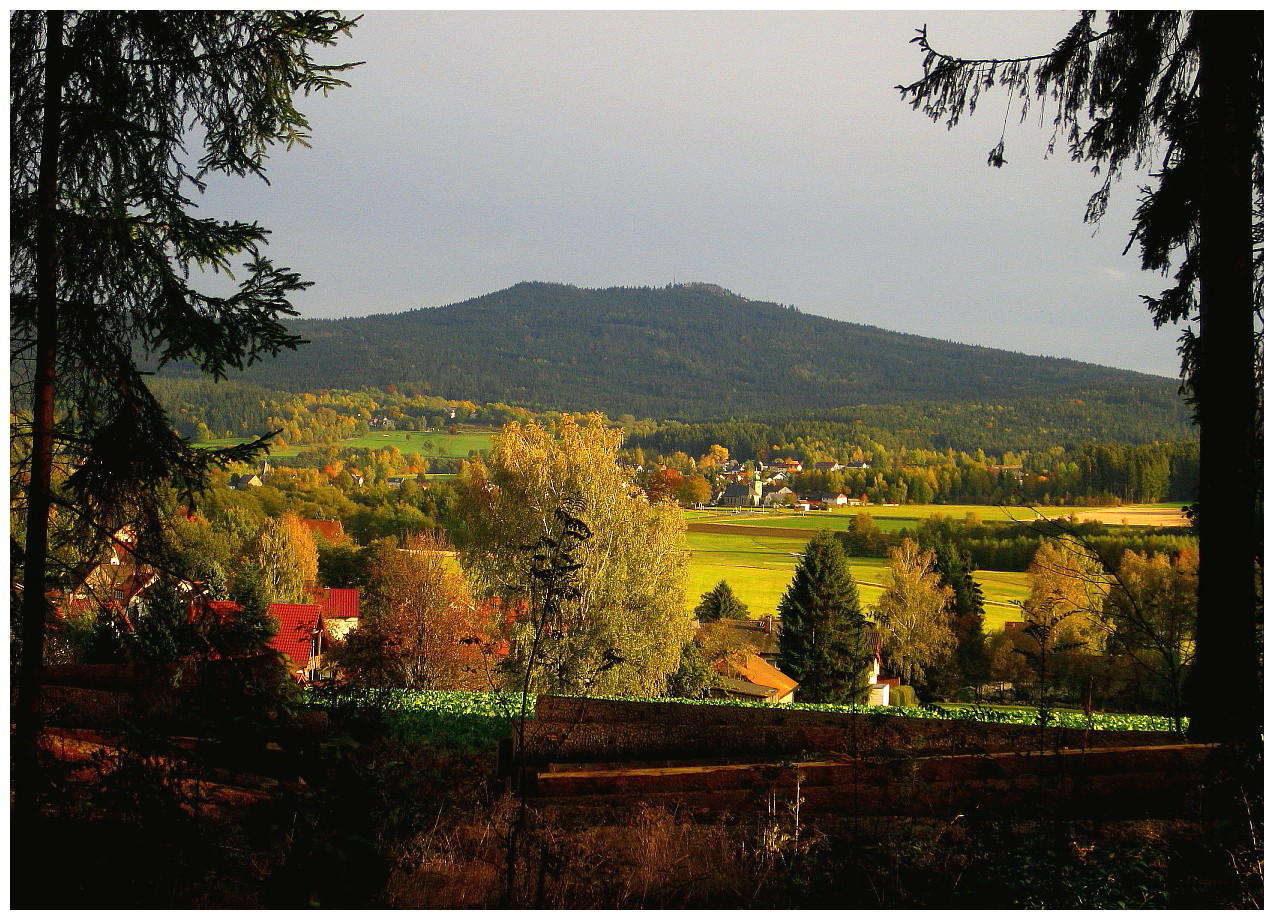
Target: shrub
pixel 902 695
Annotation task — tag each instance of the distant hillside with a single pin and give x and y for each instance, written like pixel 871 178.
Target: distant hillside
pixel 690 351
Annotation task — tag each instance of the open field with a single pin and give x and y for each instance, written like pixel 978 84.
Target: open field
pixel 893 518
pixel 759 567
pixel 444 445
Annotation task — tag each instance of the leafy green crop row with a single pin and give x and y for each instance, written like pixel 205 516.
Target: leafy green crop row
pixel 1066 718
pixel 479 720
pixel 455 718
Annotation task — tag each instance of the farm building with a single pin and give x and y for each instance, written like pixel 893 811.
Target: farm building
pixel 751 677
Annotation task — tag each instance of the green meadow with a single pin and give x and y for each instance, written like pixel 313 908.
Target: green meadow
pixel 442 444
pixel 409 442
pixel 759 567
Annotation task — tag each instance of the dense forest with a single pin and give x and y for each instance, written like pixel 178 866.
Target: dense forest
pixel 693 352
pixel 923 452
pixel 204 410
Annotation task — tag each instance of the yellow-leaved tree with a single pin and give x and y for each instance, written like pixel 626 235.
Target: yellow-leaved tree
pixel 912 613
pixel 612 620
pixel 283 556
pixel 1068 589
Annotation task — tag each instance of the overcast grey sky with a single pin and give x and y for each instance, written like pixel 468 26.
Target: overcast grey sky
pixel 765 152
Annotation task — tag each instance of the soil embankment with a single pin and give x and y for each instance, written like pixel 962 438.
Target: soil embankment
pixel 616 754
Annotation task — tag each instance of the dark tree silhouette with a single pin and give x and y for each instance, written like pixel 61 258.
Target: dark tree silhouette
pixel 105 249
pixel 1180 93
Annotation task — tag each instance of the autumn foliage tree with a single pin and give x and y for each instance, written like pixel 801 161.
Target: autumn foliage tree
pixel 664 485
pixel 284 557
pixel 1068 586
pixel 913 615
pixel 421 629
pixel 624 627
pixel 1151 610
pixel 1063 613
pixel 695 490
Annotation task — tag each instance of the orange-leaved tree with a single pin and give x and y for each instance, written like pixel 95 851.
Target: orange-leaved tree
pixel 421 629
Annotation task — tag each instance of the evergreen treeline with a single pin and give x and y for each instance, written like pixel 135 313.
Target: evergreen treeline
pixel 203 409
pixel 691 352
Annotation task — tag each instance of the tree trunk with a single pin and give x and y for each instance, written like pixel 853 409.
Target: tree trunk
pixel 1225 686
pixel 35 559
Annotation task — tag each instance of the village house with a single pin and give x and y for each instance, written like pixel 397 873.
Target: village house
pixel 746 667
pixel 117 582
pixel 308 632
pixel 739 495
pixel 244 481
pixel 759 636
pixel 776 495
pixel 787 466
pixel 750 677
pixel 1014 471
pixel 749 670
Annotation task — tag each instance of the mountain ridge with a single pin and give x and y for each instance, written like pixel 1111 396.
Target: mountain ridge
pixel 689 350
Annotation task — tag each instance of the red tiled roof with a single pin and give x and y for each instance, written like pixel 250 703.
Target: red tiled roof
pixel 340 603
pixel 224 610
pixel 295 638
pixel 331 531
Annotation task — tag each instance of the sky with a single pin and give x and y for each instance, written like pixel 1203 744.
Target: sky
pixel 767 152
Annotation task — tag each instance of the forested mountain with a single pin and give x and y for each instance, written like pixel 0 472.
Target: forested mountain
pixel 690 351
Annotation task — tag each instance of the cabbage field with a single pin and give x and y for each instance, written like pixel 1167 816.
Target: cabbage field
pixel 477 720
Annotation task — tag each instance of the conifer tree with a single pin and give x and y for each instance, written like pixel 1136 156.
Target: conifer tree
pixel 720 603
pixel 1180 93
pixel 955 568
pixel 116 120
pixel 823 642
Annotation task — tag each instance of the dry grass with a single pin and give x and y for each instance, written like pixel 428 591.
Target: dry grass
pixel 1135 517
pixel 645 858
